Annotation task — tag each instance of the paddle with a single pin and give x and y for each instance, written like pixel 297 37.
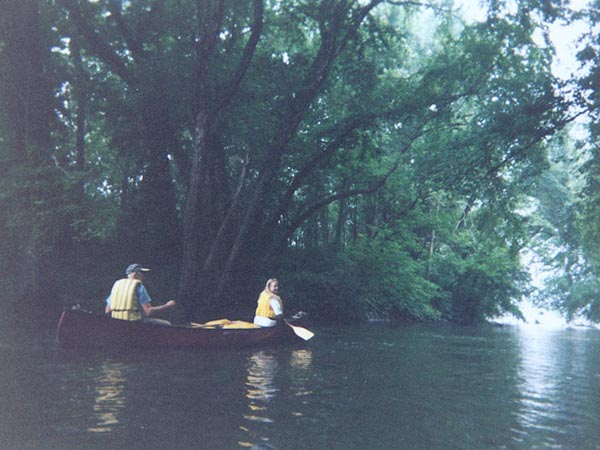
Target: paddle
pixel 301 332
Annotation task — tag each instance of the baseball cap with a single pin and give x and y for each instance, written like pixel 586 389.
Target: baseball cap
pixel 135 268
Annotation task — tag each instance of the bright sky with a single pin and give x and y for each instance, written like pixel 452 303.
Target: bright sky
pixel 563 37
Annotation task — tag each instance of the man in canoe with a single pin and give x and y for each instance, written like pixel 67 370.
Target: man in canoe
pixel 270 306
pixel 129 300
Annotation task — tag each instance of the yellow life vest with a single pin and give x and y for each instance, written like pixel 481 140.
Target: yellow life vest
pixel 263 308
pixel 123 302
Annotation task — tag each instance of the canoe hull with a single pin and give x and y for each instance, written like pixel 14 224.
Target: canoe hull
pixel 83 329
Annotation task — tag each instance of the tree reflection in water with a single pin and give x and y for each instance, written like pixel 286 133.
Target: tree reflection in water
pixel 109 401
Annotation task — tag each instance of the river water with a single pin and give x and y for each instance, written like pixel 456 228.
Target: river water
pixel 377 386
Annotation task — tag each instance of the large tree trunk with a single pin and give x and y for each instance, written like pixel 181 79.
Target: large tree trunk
pixel 161 237
pixel 26 84
pixel 208 216
pixel 201 213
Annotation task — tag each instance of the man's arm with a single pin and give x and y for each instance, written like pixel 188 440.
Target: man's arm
pixel 149 309
pixel 146 302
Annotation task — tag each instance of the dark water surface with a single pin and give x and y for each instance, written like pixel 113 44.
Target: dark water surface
pixel 352 387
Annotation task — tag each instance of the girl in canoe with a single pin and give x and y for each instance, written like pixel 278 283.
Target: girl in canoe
pixel 270 306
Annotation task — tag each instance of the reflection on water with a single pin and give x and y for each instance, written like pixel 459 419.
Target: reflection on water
pixel 537 382
pixel 553 387
pixel 361 387
pixel 301 359
pixel 259 384
pixel 538 377
pixel 109 401
pixel 262 390
pixel 300 364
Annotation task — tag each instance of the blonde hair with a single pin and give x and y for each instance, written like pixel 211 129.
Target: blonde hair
pixel 268 289
pixel 269 282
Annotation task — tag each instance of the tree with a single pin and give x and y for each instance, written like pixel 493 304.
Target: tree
pixel 32 218
pixel 225 141
pixel 574 201
pixel 138 64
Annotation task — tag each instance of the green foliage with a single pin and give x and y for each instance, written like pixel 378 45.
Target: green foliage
pixel 479 280
pixel 374 165
pixel 375 278
pixel 574 209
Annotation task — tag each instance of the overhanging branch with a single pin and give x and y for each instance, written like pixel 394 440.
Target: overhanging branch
pixel 97 44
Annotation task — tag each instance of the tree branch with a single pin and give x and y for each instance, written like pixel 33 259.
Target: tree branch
pixel 98 45
pixel 209 28
pixel 299 220
pixel 247 56
pixel 320 157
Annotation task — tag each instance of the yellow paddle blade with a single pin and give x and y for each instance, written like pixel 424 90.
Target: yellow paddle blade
pixel 301 332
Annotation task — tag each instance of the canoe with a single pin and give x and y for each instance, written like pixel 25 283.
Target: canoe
pixel 78 328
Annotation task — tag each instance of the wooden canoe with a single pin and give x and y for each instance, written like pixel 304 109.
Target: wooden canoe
pixel 77 328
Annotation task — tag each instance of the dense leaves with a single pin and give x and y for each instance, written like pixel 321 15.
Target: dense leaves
pixel 568 194
pixel 372 163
